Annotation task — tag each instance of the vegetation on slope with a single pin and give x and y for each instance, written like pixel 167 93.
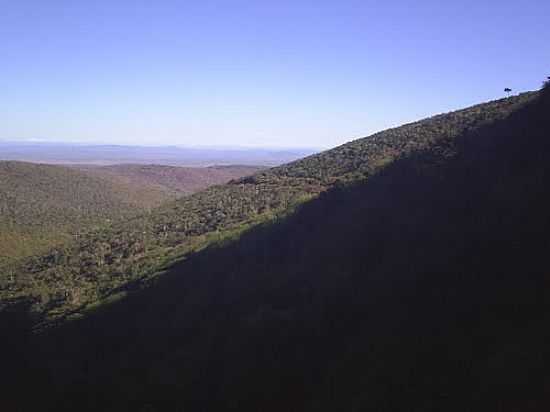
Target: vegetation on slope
pixel 41 204
pixel 422 288
pixel 44 205
pixel 173 180
pixel 102 261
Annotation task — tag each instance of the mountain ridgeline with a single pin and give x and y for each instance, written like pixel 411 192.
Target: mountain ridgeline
pixel 402 271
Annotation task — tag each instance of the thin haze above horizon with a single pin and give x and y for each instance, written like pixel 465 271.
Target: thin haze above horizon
pixel 259 74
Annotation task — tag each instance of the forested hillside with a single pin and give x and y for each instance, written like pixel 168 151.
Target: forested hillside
pixel 173 180
pixel 43 205
pixel 420 288
pixel 106 261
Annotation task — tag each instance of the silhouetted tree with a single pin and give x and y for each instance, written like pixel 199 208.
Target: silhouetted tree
pixel 508 91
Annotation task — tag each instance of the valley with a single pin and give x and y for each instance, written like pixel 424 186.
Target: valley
pixel 48 205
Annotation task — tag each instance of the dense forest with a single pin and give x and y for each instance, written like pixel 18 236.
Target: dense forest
pixel 44 206
pixel 102 263
pixel 404 271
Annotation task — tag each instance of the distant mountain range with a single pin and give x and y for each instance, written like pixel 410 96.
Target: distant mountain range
pixel 65 153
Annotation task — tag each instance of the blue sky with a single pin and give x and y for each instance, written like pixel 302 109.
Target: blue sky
pixel 256 73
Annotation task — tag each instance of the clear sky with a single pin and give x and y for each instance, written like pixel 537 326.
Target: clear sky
pixel 256 73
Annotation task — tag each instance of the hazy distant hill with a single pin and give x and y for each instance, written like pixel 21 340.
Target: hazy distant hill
pixel 61 153
pixel 173 180
pixel 421 286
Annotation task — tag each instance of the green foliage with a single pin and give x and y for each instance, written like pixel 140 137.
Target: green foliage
pixel 103 261
pixel 43 206
pixel 363 157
